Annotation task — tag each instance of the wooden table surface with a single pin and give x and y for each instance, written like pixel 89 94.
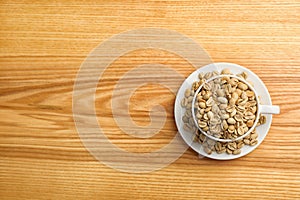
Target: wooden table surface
pixel 42 45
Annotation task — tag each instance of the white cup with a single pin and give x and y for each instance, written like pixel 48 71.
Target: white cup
pixel 261 109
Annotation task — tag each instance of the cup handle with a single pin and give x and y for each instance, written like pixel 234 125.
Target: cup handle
pixel 269 109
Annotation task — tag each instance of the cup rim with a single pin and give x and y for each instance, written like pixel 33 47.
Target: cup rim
pixel 257 112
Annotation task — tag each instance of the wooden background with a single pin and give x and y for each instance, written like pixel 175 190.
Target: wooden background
pixel 42 45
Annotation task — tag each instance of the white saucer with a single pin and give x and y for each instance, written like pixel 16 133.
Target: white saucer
pixel 259 86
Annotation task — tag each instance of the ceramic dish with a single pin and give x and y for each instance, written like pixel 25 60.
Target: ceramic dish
pixel 259 87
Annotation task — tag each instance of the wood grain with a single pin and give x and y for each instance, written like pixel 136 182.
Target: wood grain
pixel 42 45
